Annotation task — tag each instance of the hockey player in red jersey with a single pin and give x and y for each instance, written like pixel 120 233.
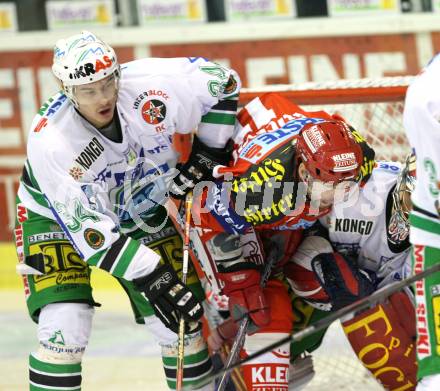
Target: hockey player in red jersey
pixel 288 167
pixel 349 253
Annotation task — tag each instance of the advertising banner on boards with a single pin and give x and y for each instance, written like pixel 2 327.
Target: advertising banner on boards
pixel 165 11
pixel 362 7
pixel 8 17
pixel 242 10
pixel 63 15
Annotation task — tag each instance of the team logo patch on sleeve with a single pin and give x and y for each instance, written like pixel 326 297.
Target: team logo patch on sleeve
pixel 154 111
pixel 231 85
pixel 94 238
pixel 76 173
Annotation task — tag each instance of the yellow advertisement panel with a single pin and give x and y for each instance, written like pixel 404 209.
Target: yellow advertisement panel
pixel 80 14
pixel 8 17
pixel 171 10
pixel 362 7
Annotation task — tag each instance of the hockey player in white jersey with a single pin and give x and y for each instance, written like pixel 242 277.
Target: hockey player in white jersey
pixel 421 118
pixel 100 166
pixel 362 245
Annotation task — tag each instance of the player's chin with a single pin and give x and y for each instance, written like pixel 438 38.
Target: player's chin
pixel 103 119
pixel 106 112
pixel 325 204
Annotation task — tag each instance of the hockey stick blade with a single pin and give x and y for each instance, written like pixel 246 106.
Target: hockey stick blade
pixel 359 305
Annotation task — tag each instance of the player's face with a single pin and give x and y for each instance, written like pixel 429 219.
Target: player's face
pixel 335 193
pixel 97 101
pixel 326 193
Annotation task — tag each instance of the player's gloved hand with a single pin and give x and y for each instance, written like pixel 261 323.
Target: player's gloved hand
pixel 223 332
pixel 199 166
pixel 246 297
pixel 341 279
pixel 171 299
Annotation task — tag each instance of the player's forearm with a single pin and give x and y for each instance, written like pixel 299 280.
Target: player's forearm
pixel 126 258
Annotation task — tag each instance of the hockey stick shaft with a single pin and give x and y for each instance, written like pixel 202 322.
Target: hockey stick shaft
pixel 235 351
pixel 181 340
pixel 359 305
pixel 241 333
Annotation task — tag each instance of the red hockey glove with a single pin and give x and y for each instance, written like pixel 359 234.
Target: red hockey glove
pixel 246 297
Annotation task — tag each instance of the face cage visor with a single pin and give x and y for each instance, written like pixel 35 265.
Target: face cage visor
pixel 81 95
pixel 336 191
pixel 398 228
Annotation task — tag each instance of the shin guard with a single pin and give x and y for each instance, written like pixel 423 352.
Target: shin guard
pixel 197 363
pixel 384 340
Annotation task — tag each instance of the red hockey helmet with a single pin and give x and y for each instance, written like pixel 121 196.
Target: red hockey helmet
pixel 329 151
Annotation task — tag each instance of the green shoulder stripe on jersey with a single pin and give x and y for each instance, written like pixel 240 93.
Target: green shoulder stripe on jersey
pixel 36 195
pixel 424 224
pixel 217 118
pixel 28 177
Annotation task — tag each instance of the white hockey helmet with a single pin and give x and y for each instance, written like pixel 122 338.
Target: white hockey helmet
pixel 83 58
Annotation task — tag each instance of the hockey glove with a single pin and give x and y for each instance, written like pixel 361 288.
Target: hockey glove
pixel 199 166
pixel 171 299
pixel 246 297
pixel 341 279
pixel 226 331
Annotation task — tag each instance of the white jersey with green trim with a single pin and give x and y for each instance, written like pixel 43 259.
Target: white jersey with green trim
pixel 358 227
pixel 99 190
pixel 421 118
